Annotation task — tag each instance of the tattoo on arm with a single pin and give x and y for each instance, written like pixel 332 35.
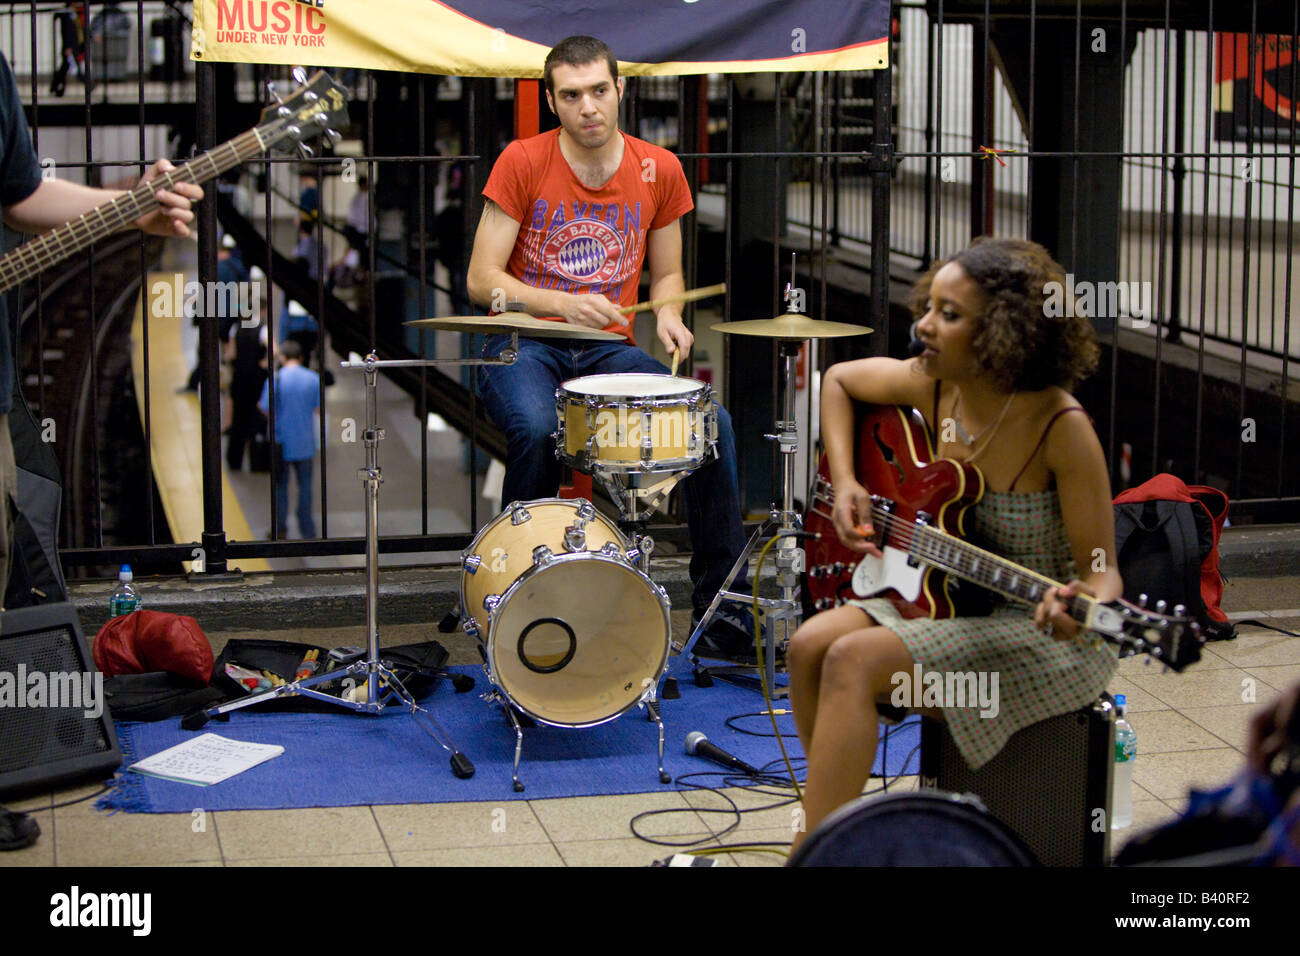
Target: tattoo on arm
pixel 489 210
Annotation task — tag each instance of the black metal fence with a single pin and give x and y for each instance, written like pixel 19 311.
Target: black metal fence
pixel 1102 131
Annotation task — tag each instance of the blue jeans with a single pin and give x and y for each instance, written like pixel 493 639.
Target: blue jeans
pixel 303 470
pixel 521 399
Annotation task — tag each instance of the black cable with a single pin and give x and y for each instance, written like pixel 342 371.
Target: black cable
pixel 90 796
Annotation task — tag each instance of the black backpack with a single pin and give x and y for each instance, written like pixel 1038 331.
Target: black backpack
pixel 1167 542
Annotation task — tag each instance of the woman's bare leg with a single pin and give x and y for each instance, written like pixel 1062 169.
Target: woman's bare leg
pixel 857 669
pixel 804 659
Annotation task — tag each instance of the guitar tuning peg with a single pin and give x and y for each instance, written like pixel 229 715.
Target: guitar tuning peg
pixel 1161 606
pixel 272 92
pixel 299 75
pixel 305 151
pixel 334 136
pixel 1142 600
pixel 320 119
pixel 1180 610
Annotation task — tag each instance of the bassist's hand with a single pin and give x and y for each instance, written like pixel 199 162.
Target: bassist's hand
pixel 852 518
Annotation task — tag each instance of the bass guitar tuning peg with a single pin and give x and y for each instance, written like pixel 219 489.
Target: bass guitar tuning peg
pixel 272 92
pixel 305 151
pixel 299 75
pixel 334 136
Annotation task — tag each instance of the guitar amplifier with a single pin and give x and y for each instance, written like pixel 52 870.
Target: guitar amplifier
pixel 1048 783
pixel 55 728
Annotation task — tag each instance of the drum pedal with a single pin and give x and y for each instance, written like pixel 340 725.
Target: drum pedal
pixel 670 691
pixel 450 621
pixel 703 678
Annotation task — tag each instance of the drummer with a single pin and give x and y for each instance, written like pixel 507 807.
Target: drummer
pixel 569 217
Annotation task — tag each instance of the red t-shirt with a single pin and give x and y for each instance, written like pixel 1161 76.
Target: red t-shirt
pixel 583 240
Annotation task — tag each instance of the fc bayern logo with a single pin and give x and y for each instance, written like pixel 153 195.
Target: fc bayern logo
pixel 584 250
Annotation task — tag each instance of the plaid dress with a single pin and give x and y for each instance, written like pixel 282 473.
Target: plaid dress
pixel 1038 676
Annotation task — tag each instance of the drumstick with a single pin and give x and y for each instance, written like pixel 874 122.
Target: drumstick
pixel 690 296
pixel 677 354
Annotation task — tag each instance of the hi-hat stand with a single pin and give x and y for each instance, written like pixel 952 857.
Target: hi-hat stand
pixel 784 614
pixel 380 683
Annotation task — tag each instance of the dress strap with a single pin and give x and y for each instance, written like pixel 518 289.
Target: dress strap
pixel 1041 439
pixel 935 419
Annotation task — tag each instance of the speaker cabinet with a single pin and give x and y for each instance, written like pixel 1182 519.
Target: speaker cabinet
pixel 1047 783
pixel 48 683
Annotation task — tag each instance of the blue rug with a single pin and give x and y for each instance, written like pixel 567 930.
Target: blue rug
pixel 338 758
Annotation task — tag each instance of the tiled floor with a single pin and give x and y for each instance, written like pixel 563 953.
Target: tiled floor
pixel 1191 733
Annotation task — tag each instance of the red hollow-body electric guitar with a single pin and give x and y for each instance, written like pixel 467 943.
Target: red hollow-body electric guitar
pixel 919 509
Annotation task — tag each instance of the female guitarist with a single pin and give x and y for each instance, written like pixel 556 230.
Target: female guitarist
pixel 994 383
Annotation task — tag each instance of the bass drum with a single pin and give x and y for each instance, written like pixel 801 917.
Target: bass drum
pixel 503 550
pixel 573 634
pixel 579 638
pixel 929 828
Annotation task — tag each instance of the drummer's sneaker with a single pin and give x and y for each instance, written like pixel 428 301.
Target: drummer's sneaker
pixel 729 636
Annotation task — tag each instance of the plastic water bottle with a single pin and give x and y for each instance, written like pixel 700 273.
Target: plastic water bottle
pixel 126 598
pixel 1121 794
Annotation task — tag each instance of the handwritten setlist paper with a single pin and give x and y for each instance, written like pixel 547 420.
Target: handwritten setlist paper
pixel 206 760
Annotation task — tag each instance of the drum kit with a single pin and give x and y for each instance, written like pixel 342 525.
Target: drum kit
pixel 572 629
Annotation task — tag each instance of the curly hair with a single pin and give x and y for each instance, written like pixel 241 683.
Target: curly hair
pixel 1018 342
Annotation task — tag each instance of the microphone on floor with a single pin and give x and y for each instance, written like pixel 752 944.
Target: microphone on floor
pixel 697 745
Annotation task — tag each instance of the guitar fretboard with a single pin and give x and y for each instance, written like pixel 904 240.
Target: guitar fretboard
pixel 49 248
pixel 973 563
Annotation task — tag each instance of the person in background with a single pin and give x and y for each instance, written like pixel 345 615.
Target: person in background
pixel 297 397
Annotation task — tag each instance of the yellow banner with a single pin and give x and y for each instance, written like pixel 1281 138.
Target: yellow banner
pixel 486 38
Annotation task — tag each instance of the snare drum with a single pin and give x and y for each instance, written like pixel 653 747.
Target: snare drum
pixel 635 422
pixel 573 634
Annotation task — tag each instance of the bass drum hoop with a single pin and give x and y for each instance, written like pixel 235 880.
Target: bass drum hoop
pixel 494 644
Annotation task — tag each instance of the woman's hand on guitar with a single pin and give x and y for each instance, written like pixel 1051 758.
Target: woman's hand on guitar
pixel 852 518
pixel 1052 612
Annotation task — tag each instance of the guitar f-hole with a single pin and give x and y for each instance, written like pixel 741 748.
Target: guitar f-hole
pixel 887 454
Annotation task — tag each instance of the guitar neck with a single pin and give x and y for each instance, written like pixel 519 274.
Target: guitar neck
pixel 965 560
pixel 49 248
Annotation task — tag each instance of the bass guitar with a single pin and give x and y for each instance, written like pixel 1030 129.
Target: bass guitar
pixel 318 107
pixel 919 509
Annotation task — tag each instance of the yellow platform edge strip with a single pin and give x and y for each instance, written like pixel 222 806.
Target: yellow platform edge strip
pixel 175 430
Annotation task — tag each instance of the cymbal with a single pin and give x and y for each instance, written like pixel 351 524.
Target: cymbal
pixel 792 325
pixel 506 322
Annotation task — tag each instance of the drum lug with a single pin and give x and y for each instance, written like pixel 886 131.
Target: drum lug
pixel 575 536
pixel 470 626
pixel 542 555
pixel 519 514
pixel 490 603
pixel 610 550
pixel 586 510
pixel 473 563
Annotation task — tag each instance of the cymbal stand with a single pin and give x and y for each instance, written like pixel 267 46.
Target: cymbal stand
pixel 783 614
pixel 379 684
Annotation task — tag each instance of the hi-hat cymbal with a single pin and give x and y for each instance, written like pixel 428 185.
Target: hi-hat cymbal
pixel 506 322
pixel 792 325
